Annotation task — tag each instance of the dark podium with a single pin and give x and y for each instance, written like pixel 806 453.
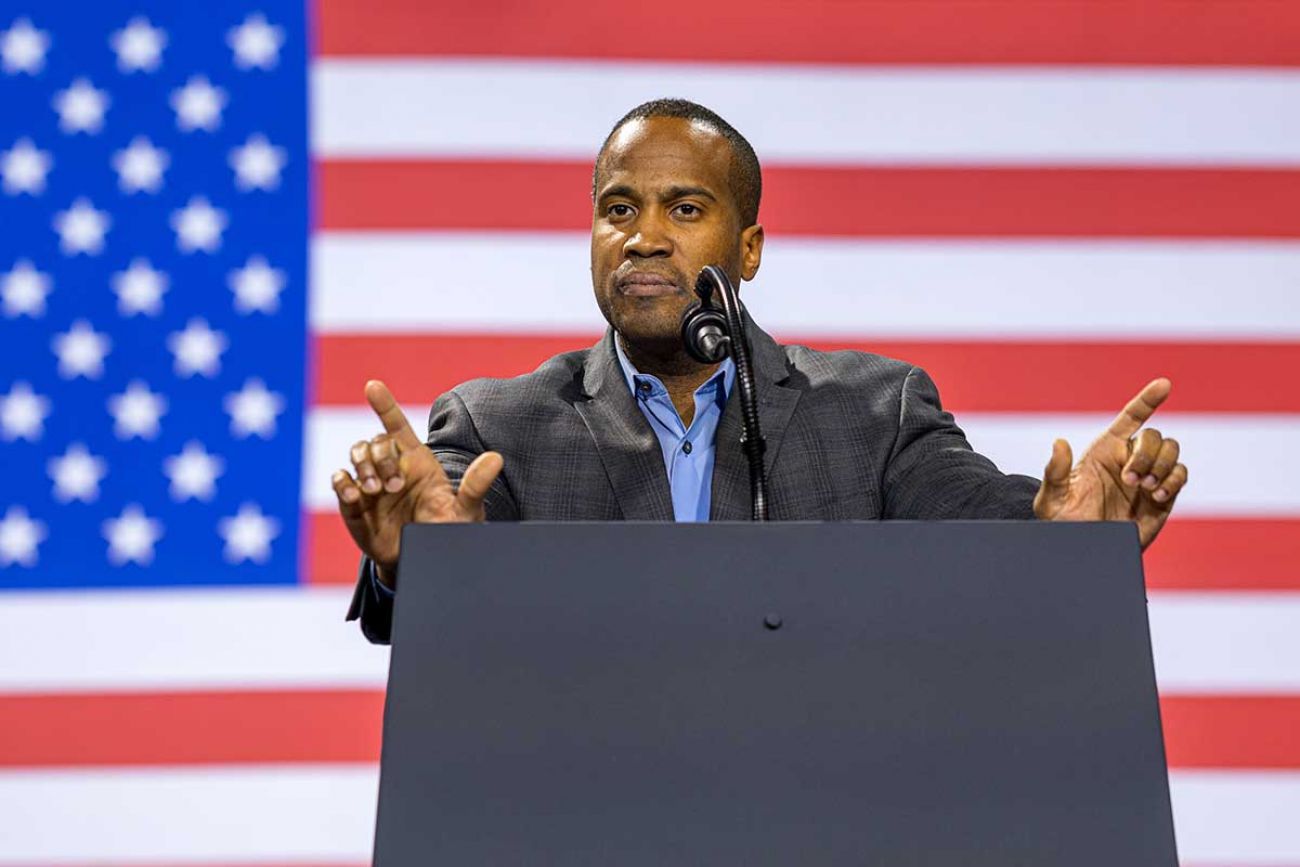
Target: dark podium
pixel 773 694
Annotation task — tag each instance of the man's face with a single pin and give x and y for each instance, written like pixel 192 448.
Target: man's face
pixel 664 209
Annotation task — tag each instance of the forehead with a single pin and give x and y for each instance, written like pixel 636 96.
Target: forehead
pixel 665 151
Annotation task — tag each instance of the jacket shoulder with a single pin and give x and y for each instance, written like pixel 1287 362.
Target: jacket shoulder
pixel 558 379
pixel 845 368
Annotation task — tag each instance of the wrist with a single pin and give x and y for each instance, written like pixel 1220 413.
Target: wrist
pixel 387 575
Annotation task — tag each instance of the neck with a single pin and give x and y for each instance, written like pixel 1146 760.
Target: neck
pixel 679 373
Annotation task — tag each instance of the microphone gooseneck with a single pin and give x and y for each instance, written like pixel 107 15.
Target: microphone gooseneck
pixel 710 334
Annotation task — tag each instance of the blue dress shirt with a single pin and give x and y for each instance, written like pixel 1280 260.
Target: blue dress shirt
pixel 688 452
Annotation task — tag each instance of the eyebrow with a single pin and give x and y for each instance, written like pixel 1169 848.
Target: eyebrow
pixel 669 194
pixel 683 192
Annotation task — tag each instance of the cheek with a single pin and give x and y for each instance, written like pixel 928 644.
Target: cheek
pixel 712 249
pixel 606 249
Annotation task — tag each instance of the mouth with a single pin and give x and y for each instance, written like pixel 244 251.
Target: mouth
pixel 645 285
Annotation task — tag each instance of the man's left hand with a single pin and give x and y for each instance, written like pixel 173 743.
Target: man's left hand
pixel 1128 474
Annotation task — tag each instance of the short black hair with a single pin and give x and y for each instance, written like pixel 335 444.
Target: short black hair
pixel 746 174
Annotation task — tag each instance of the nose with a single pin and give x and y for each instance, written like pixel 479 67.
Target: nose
pixel 649 240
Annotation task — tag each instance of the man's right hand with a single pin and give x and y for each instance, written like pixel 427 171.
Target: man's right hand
pixel 398 481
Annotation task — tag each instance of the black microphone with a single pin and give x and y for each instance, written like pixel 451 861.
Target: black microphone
pixel 704 332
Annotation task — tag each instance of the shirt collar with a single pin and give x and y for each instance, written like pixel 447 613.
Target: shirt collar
pixel 723 377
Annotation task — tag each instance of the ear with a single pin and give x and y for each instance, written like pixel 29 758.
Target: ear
pixel 751 251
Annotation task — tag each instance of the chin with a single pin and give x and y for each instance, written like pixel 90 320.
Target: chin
pixel 649 323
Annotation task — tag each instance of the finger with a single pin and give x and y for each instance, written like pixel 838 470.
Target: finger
pixel 478 480
pixel 364 467
pixel 386 455
pixel 345 487
pixel 1142 456
pixel 385 406
pixel 1139 409
pixel 1172 484
pixel 1056 475
pixel 1164 463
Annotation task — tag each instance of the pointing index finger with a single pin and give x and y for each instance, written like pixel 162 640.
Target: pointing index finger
pixel 1140 409
pixel 385 406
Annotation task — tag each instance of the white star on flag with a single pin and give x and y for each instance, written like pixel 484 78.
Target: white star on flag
pixel 193 473
pixel 23 413
pixel 257 286
pixel 248 534
pixel 198 226
pixel 24 290
pixel 81 351
pixel 136 411
pixel 253 410
pixel 257 164
pixel 131 537
pixel 19 537
pixel 23 47
pixel 256 43
pixel 24 167
pixel 138 45
pixel 198 105
pixel 81 228
pixel 197 349
pixel 139 289
pixel 77 474
pixel 140 166
pixel 81 107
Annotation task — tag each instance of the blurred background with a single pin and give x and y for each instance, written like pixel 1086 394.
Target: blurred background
pixel 218 220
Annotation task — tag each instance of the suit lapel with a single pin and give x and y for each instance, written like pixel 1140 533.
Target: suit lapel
pixel 731 498
pixel 627 446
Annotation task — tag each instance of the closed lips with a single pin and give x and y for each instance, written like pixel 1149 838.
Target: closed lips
pixel 646 284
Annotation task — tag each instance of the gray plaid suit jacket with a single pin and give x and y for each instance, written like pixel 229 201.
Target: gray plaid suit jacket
pixel 850 436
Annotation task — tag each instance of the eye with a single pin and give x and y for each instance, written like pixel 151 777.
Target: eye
pixel 686 209
pixel 619 210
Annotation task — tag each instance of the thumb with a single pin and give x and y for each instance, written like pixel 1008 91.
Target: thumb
pixel 478 479
pixel 1056 475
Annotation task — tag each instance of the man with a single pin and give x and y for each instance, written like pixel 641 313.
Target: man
pixel 634 429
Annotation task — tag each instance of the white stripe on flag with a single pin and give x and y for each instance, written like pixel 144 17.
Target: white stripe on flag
pixel 184 639
pixel 1220 643
pixel 1225 643
pixel 1231 817
pixel 404 282
pixel 1222 479
pixel 266 814
pixel 1222 482
pixel 809 114
pixel 322 814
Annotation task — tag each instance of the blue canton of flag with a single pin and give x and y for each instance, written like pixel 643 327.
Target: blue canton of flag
pixel 153 264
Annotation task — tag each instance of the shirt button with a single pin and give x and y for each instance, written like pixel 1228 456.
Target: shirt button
pixel 686 447
pixel 644 386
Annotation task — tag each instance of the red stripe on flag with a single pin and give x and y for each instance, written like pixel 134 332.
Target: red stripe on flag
pixel 1153 32
pixel 1191 554
pixel 191 728
pixel 838 201
pixel 419 367
pixel 973 376
pixel 332 557
pixel 1231 731
pixel 1224 554
pixel 151 729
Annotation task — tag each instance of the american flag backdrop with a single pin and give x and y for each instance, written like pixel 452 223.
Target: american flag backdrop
pixel 218 220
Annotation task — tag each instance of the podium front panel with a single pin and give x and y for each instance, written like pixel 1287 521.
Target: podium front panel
pixel 853 693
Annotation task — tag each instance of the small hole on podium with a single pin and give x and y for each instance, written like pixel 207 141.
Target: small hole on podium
pixel 772 621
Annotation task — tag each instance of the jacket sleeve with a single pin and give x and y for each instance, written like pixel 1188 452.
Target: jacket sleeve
pixel 933 473
pixel 455 440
